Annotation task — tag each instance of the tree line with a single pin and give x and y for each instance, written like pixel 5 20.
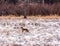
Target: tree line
pixel 32 7
pixel 31 1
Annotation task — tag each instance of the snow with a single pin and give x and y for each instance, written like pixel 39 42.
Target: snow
pixel 42 32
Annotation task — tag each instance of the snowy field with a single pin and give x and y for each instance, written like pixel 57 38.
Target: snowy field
pixel 41 32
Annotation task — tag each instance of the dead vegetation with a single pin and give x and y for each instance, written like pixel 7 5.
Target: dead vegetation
pixel 30 17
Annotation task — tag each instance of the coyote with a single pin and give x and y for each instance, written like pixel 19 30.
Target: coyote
pixel 24 29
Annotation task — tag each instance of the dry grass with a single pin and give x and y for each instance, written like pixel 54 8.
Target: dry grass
pixel 45 17
pixel 31 17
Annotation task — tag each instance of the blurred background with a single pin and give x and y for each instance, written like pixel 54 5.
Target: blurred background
pixel 29 7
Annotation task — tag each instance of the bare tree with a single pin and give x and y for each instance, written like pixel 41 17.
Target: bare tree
pixel 43 2
pixel 25 8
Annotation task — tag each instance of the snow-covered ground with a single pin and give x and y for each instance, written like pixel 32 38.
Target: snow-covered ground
pixel 42 32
